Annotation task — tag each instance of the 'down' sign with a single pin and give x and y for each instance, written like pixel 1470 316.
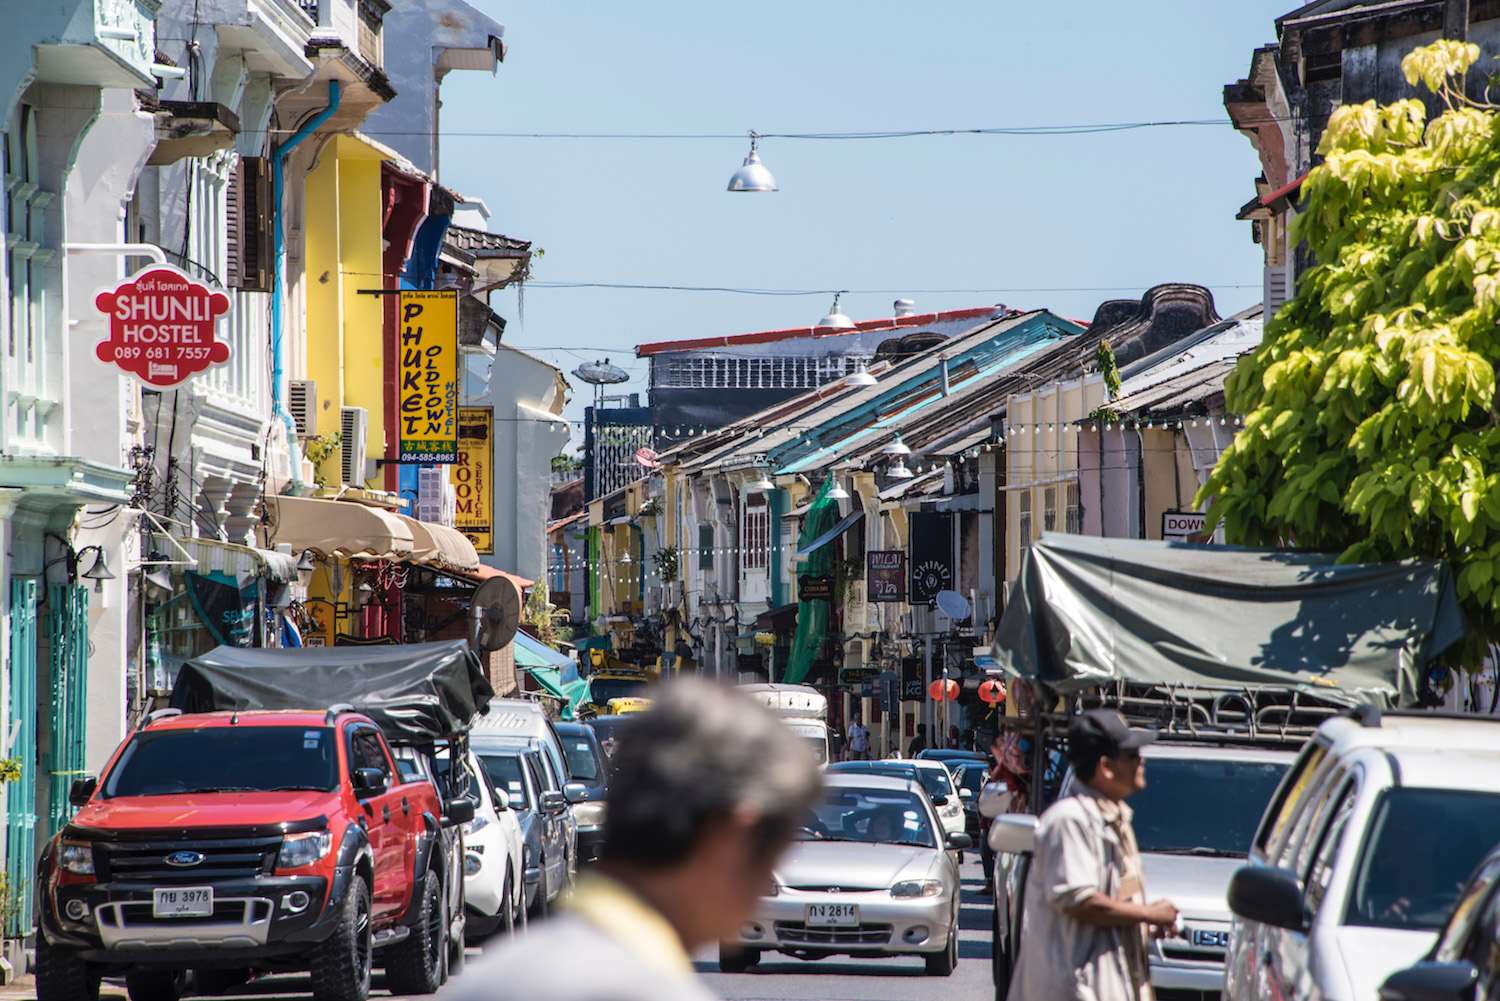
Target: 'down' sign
pixel 162 325
pixel 1180 523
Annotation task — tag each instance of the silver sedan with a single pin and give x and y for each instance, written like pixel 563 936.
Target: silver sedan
pixel 871 874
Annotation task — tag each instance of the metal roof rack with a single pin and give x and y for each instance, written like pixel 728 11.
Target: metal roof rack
pixel 152 717
pixel 335 710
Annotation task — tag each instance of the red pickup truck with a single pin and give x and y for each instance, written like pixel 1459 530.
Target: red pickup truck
pixel 238 841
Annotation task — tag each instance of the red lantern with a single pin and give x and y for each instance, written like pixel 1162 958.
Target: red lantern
pixel 992 691
pixel 940 694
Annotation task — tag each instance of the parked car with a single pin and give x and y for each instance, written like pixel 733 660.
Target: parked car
pixel 950 756
pixel 494 864
pixel 930 774
pixel 608 729
pixel 969 777
pixel 513 723
pixel 1193 823
pixel 588 767
pixel 516 771
pixel 871 874
pixel 1362 854
pixel 240 840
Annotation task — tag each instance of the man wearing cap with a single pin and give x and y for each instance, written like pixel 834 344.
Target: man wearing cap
pixel 1086 921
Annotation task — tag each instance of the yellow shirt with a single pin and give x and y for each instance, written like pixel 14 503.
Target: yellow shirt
pixel 620 913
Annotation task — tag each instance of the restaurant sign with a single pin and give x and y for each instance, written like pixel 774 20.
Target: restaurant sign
pixel 162 326
pixel 428 393
pixel 885 575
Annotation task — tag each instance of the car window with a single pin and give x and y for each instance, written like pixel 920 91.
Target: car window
pixel 1317 819
pixel 1320 872
pixel 532 770
pixel 1454 943
pixel 1290 794
pixel 1419 849
pixel 1202 806
pixel 581 763
pixel 882 816
pixel 505 772
pixel 1483 945
pixel 228 758
pixel 550 770
pixel 367 751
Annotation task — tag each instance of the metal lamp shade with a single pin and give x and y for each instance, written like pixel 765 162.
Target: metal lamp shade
pixel 753 176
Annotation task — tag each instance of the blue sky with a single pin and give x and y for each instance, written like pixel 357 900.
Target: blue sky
pixel 1091 217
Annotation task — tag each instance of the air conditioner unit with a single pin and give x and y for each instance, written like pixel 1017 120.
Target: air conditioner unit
pixel 302 401
pixel 355 423
pixel 671 595
pixel 430 483
pixel 653 599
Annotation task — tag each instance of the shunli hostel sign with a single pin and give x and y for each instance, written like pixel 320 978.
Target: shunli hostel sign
pixel 162 326
pixel 428 389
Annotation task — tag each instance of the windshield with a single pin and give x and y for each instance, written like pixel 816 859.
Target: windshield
pixel 934 780
pixel 1202 806
pixel 580 755
pixel 1420 847
pixel 886 816
pixel 504 771
pixel 225 759
pixel 601 690
pixel 972 777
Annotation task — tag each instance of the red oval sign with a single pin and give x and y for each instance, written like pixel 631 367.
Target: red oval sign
pixel 162 326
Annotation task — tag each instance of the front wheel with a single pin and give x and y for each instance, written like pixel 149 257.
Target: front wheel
pixel 415 964
pixel 735 959
pixel 942 964
pixel 341 963
pixel 62 976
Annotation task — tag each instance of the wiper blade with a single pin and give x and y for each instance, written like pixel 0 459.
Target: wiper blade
pixel 295 788
pixel 189 792
pixel 1199 850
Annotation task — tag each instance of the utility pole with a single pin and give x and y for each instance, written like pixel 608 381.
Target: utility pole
pixel 1456 20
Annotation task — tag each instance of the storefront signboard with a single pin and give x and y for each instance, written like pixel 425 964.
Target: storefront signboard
pixel 162 326
pixel 885 575
pixel 428 377
pixel 474 479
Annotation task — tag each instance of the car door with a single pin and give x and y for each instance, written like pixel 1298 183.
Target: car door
pixel 366 749
pixel 552 836
pixel 567 821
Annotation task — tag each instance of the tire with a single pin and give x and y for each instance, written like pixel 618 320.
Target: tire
pixel 415 964
pixel 507 904
pixel 155 985
pixel 1000 964
pixel 942 964
pixel 733 959
pixel 62 976
pixel 341 963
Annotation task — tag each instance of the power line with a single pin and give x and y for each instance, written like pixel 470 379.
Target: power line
pixel 1004 130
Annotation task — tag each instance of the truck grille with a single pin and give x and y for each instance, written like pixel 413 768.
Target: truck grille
pixel 222 859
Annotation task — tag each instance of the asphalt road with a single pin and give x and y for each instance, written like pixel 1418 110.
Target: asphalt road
pixel 775 977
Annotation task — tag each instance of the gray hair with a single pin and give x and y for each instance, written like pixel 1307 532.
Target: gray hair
pixel 702 751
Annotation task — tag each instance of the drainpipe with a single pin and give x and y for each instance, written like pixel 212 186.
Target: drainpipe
pixel 278 348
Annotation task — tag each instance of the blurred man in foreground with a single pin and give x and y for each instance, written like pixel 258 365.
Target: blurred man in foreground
pixel 707 790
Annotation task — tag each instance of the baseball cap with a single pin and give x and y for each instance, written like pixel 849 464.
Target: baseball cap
pixel 1103 733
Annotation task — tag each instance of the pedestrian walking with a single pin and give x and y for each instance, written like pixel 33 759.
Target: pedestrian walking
pixel 1086 924
pixel 859 740
pixel 918 742
pixel 707 790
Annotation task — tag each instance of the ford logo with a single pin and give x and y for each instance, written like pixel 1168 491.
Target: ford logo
pixel 184 859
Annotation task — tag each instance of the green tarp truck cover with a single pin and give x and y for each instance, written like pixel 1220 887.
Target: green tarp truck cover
pixel 1086 611
pixel 416 693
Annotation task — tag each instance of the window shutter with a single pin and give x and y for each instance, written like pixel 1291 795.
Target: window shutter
pixel 249 228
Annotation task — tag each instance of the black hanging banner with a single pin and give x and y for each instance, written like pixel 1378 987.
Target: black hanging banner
pixel 931 534
pixel 228 612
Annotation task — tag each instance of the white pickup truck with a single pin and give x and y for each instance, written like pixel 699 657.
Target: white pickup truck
pixel 802 707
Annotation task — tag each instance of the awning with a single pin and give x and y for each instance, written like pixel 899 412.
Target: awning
pixel 1087 612
pixel 782 618
pixel 337 528
pixel 570 693
pixel 531 652
pixel 830 535
pixel 484 572
pixel 440 545
pixel 213 556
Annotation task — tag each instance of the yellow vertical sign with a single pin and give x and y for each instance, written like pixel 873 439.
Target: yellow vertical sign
pixel 473 477
pixel 428 393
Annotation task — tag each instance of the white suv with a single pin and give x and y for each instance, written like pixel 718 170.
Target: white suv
pixel 1362 853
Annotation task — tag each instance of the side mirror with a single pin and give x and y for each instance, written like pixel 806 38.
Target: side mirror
pixel 994 799
pixel 1269 895
pixel 965 793
pixel 1432 982
pixel 554 801
pixel 575 792
pixel 1013 833
pixel 958 842
pixel 367 782
pixel 458 811
pixel 940 801
pixel 81 789
pixel 518 801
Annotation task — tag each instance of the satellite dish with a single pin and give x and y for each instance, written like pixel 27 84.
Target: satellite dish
pixel 496 612
pixel 601 373
pixel 953 605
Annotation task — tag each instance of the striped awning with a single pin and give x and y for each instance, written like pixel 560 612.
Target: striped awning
pixel 337 528
pixel 213 556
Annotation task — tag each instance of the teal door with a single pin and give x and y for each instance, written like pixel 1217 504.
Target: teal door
pixel 68 631
pixel 20 799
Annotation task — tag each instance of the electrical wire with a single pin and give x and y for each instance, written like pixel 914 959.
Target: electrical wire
pixel 1003 130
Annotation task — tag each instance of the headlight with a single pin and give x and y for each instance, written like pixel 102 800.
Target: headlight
pixel 917 888
pixel 479 823
pixel 590 813
pixel 298 850
pixel 76 857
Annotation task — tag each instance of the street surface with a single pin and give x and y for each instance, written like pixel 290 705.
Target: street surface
pixel 778 977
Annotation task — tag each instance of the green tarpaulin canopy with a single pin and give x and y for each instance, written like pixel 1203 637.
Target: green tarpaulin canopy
pixel 1088 611
pixel 534 653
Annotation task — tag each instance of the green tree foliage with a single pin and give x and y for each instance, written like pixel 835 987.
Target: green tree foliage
pixel 1370 420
